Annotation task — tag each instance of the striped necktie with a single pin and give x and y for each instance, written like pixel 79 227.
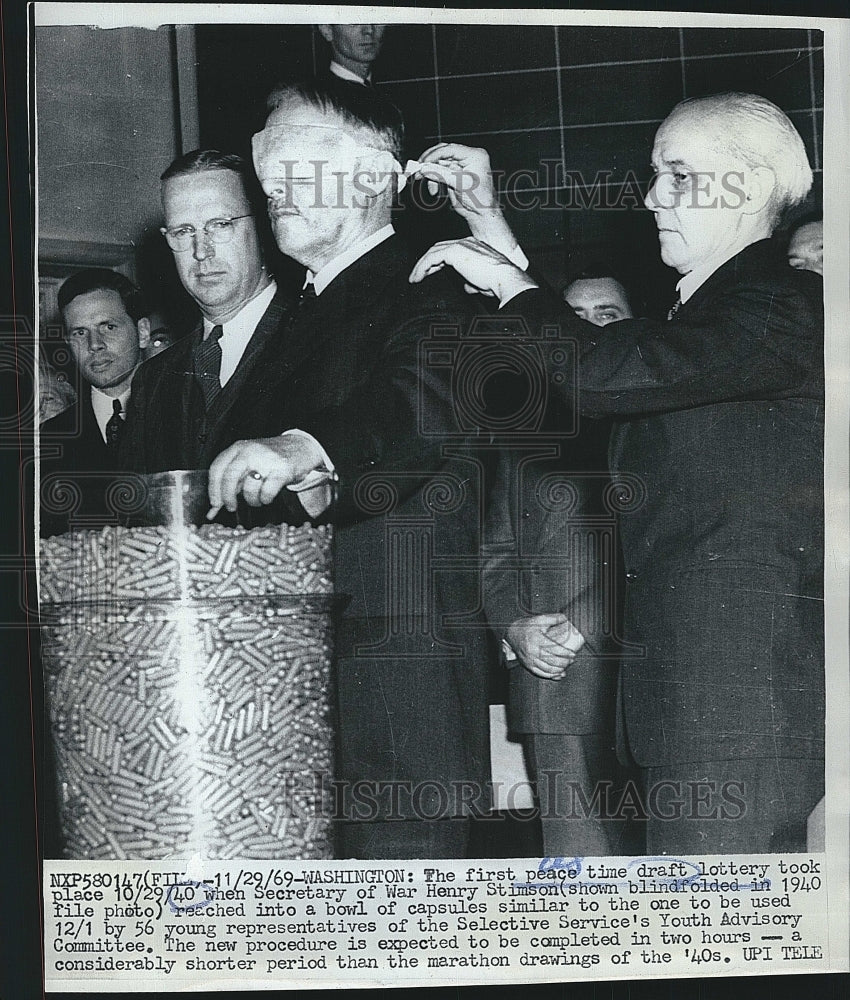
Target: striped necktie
pixel 207 365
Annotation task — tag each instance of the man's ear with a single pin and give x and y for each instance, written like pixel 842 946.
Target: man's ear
pixel 759 185
pixel 326 32
pixel 144 328
pixel 376 172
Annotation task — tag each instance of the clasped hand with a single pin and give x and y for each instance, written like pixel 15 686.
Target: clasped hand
pixel 546 645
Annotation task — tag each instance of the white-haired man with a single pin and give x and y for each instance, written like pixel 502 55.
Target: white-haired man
pixel 720 415
pixel 411 753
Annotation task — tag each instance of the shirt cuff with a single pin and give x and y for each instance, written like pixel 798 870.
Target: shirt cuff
pixel 508 652
pixel 517 256
pixel 518 290
pixel 324 470
pixel 315 489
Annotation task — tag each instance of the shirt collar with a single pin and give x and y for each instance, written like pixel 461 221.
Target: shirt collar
pixel 334 268
pixel 345 74
pixel 248 316
pixel 103 407
pixel 693 280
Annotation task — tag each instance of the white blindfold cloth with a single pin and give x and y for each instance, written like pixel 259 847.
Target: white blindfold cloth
pixel 319 154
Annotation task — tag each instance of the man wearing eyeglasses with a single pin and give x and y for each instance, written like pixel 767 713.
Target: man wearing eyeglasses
pixel 202 393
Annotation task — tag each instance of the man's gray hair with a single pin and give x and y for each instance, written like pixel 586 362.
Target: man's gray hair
pixel 756 133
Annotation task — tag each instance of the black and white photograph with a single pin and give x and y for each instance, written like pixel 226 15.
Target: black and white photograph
pixel 431 455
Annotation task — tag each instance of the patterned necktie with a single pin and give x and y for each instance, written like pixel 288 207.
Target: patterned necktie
pixel 677 305
pixel 114 426
pixel 207 364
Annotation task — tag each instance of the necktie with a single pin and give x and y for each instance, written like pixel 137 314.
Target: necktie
pixel 677 305
pixel 114 426
pixel 207 363
pixel 303 307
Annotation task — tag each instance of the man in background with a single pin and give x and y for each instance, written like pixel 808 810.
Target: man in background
pixel 55 392
pixel 106 329
pixel 554 619
pixel 805 248
pixel 161 340
pixel 354 47
pixel 597 295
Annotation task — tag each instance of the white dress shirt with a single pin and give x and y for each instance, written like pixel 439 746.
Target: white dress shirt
pixel 690 282
pixel 103 408
pixel 345 74
pixel 237 332
pixel 335 267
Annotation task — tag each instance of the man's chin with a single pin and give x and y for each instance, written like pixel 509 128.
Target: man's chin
pixel 209 297
pixel 282 232
pixel 672 260
pixel 100 379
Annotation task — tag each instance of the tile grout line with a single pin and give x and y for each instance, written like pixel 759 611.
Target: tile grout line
pixel 436 83
pixel 578 125
pixel 594 65
pixel 560 99
pixel 813 100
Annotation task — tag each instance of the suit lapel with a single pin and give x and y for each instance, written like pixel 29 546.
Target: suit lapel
pixel 189 395
pixel 342 304
pixel 95 452
pixel 267 331
pixel 762 251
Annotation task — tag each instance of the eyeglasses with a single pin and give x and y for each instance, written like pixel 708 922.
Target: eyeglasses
pixel 182 238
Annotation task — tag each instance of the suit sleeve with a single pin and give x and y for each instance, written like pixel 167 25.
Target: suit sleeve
pixel 131 450
pixel 396 420
pixel 499 575
pixel 759 338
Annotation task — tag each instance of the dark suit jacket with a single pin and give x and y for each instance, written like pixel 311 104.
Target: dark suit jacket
pixel 549 542
pixel 412 688
pixel 77 470
pixel 348 369
pixel 168 427
pixel 721 419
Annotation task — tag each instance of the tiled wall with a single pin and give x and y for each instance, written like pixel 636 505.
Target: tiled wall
pixel 590 98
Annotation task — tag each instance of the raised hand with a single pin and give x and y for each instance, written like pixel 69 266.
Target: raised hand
pixel 466 174
pixel 482 268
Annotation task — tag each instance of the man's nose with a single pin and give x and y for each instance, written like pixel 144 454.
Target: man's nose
pixel 653 194
pixel 663 193
pixel 202 245
pixel 279 195
pixel 96 340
